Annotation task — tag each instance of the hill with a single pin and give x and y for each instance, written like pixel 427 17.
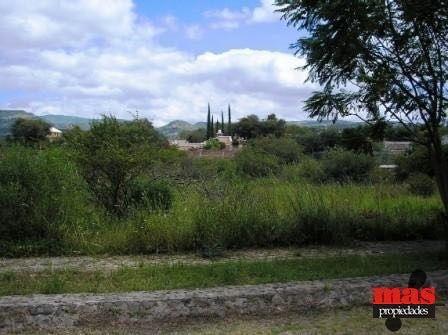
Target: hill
pixel 325 123
pixel 66 122
pixel 7 118
pixel 174 128
pixel 170 130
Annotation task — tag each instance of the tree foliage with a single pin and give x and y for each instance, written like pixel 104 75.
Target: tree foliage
pixel 112 155
pixel 251 126
pixel 30 131
pixel 194 136
pixel 40 193
pixel 378 60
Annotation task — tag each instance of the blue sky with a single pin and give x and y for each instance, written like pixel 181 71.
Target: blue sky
pixel 167 59
pixel 274 36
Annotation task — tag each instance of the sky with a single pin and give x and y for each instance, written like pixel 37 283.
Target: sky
pixel 165 59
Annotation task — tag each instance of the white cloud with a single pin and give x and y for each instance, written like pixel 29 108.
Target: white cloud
pixel 228 15
pixel 50 23
pixel 193 32
pixel 104 59
pixel 265 12
pixel 231 19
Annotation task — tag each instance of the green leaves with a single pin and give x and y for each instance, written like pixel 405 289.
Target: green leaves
pixel 374 56
pixel 114 153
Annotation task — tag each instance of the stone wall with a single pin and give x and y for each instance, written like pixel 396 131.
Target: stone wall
pixel 78 310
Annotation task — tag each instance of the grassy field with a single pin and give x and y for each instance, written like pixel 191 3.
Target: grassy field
pixel 162 277
pixel 263 213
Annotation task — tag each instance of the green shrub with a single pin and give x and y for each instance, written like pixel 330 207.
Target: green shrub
pixel 253 163
pixel 420 184
pixel 112 154
pixel 205 168
pixel 149 194
pixel 214 143
pixel 415 161
pixel 286 150
pixel 344 166
pixel 312 171
pixel 40 195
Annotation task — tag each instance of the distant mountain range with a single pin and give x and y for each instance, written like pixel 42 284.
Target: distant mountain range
pixel 325 123
pixel 7 118
pixel 174 128
pixel 170 130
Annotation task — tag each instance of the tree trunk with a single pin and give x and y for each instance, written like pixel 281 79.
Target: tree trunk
pixel 440 166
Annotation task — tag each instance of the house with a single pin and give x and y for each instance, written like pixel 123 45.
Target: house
pixel 54 133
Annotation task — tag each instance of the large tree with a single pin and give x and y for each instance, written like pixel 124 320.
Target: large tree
pixel 30 131
pixel 380 61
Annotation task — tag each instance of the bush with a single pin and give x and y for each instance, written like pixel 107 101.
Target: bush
pixel 312 171
pixel 317 140
pixel 286 150
pixel 415 161
pixel 194 136
pixel 206 168
pixel 251 162
pixel 214 143
pixel 112 154
pixel 149 194
pixel 40 194
pixel 344 166
pixel 420 184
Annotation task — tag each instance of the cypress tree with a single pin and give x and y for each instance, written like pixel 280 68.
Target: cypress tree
pixel 222 122
pixel 217 125
pixel 208 123
pixel 229 125
pixel 212 128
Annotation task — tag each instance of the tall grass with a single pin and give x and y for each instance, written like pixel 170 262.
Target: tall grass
pixel 266 213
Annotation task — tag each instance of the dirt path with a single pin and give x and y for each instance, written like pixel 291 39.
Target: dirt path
pixel 107 263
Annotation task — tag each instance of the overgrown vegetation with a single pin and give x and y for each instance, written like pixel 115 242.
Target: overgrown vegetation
pixel 119 189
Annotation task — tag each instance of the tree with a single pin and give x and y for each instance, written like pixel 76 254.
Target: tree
pixel 209 125
pixel 357 139
pixel 248 127
pixel 194 136
pixel 222 122
pixel 379 61
pixel 251 127
pixel 274 126
pixel 112 154
pixel 229 122
pixel 212 128
pixel 30 130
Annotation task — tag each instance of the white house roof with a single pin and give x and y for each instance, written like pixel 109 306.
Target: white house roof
pixel 55 130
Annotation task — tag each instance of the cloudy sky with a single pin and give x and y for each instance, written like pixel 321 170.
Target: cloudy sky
pixel 167 59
